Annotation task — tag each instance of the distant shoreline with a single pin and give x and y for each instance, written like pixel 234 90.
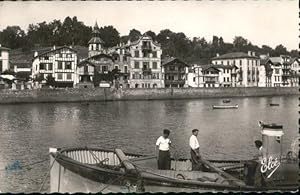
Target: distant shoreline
pixel 110 94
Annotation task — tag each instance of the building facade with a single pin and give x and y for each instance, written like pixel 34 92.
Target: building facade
pixel 175 71
pixel 247 64
pixel 4 59
pixel 212 76
pixel 145 63
pixel 265 73
pixel 60 63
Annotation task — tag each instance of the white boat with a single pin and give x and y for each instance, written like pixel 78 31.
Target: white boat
pixel 225 106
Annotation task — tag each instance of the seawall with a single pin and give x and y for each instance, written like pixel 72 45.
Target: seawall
pixel 107 94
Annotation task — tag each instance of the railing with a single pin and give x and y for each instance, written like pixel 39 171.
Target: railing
pixel 174 82
pixel 147 70
pixel 175 71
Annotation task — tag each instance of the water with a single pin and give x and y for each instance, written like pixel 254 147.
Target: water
pixel 27 131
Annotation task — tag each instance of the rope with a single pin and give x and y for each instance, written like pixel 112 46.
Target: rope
pixel 110 183
pixel 27 165
pixel 47 174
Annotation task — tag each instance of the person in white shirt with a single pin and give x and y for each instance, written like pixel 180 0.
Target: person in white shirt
pixel 163 147
pixel 195 151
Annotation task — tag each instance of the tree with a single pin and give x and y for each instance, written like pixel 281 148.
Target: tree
pixel 12 37
pixel 239 42
pixel 280 50
pixel 50 80
pixel 134 35
pixel 110 36
pixel 151 34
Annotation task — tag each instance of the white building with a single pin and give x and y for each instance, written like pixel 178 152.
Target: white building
pixel 60 63
pixel 265 73
pixel 4 59
pixel 212 76
pixel 247 64
pixel 145 63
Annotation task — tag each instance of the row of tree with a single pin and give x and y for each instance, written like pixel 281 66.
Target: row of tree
pixel 74 32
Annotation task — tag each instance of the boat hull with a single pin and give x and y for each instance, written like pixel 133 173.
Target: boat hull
pixel 68 175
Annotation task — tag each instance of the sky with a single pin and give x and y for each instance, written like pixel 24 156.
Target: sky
pixel 263 22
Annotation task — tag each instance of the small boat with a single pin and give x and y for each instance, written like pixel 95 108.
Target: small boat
pixel 226 101
pixel 269 126
pixel 225 106
pixel 92 170
pixel 273 104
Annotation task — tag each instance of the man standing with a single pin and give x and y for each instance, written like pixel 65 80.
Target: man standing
pixel 163 144
pixel 262 155
pixel 195 152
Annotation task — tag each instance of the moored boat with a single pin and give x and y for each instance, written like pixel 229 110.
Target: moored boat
pixel 226 101
pixel 225 106
pixel 273 104
pixel 100 170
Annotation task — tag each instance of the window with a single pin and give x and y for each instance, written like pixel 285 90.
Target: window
pixel 50 66
pixel 136 64
pixel 46 57
pixel 68 65
pixel 42 66
pixel 224 79
pixel 227 62
pixel 136 53
pixel 276 71
pixel 227 79
pixel 194 79
pixel 104 68
pixel 59 76
pixel 125 69
pixel 86 68
pixel 171 67
pixel 69 55
pixel 154 54
pixel 60 55
pixel 145 65
pixel 59 66
pixel 69 76
pixel 1 69
pixel 240 62
pixel 154 65
pixel 0 53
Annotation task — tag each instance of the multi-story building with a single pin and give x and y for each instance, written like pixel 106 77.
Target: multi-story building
pixel 60 63
pixel 102 67
pixel 295 72
pixel 265 73
pixel 277 71
pixel 175 71
pixel 247 65
pixel 4 59
pixel 145 63
pixel 212 76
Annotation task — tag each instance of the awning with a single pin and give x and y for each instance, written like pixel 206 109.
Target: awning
pixel 7 76
pixel 272 132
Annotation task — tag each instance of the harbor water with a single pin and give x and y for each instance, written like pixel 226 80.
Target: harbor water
pixel 28 130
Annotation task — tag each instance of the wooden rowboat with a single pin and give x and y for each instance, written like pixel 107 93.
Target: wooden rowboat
pixel 99 170
pixel 273 104
pixel 225 106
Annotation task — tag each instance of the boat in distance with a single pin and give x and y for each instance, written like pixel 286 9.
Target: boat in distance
pixel 112 170
pixel 226 101
pixel 225 106
pixel 274 104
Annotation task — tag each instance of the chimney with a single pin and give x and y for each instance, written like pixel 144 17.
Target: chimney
pixel 0 45
pixel 249 53
pixel 218 54
pixel 253 53
pixel 70 46
pixel 35 54
pixel 54 47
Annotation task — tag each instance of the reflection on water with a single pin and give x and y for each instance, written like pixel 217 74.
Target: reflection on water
pixel 27 131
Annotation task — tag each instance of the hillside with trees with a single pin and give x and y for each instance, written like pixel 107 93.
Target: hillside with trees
pixel 71 31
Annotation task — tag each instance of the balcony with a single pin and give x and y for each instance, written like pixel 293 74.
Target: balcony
pixel 181 71
pixel 146 48
pixel 147 71
pixel 177 82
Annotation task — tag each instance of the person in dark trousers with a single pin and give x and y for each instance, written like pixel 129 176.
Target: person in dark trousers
pixel 254 176
pixel 163 147
pixel 195 151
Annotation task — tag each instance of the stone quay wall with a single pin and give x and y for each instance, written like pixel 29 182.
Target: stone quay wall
pixel 110 94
